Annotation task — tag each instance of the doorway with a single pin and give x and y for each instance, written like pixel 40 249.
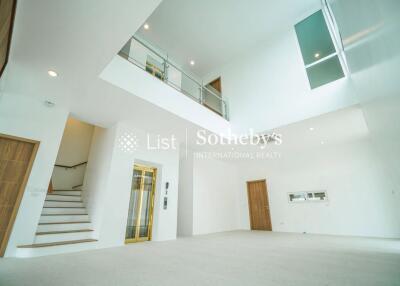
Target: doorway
pixel 16 160
pixel 141 204
pixel 260 218
pixel 216 84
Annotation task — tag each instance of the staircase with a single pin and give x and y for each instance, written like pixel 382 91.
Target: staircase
pixel 64 226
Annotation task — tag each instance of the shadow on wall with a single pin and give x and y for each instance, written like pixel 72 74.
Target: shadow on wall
pixel 73 154
pixel 372 48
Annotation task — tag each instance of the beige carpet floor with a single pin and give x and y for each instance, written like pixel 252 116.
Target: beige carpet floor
pixel 231 258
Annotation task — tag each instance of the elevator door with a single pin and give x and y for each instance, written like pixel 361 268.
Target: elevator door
pixel 141 204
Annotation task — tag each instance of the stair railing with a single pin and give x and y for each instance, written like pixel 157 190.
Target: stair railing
pixel 70 167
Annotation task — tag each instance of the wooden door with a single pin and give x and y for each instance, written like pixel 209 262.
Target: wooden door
pixel 7 13
pixel 16 159
pixel 260 218
pixel 216 84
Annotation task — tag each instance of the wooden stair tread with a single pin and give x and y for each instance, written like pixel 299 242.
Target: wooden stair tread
pixel 63 195
pixel 61 201
pixel 67 190
pixel 63 231
pixel 60 214
pixel 63 207
pixel 37 245
pixel 63 222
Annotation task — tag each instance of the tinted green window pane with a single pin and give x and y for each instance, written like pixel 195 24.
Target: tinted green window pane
pixel 325 72
pixel 314 38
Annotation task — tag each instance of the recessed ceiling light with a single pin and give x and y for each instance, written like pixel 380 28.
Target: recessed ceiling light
pixel 322 142
pixel 146 26
pixel 317 55
pixel 52 73
pixel 311 128
pixel 192 62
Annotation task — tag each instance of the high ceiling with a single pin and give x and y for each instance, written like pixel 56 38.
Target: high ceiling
pixel 81 54
pixel 324 131
pixel 77 40
pixel 213 32
pixel 38 47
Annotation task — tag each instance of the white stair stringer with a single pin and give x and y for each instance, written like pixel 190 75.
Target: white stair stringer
pixel 64 226
pixel 58 249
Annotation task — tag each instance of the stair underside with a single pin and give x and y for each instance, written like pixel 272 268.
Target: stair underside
pixel 63 231
pixel 38 245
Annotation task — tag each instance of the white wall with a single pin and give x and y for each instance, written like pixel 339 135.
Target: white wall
pixel 26 117
pixel 134 80
pixel 372 48
pixel 114 165
pixel 75 143
pixel 185 198
pixel 269 82
pixel 361 199
pixel 208 192
pixel 96 177
pixel 74 149
pixel 215 188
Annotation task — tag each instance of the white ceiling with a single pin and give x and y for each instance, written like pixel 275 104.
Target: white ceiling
pixel 213 32
pixel 78 39
pixel 64 35
pixel 330 129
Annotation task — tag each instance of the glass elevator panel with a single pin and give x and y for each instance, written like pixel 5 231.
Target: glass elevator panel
pixel 141 204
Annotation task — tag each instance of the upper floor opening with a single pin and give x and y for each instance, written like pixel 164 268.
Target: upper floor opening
pixel 258 53
pixel 160 65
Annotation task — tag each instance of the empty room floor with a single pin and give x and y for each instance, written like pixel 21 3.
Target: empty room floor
pixel 229 258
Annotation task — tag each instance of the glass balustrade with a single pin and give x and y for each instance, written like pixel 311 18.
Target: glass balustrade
pixel 157 64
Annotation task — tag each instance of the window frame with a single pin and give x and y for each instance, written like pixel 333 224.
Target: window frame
pixel 335 35
pixel 305 194
pixel 336 38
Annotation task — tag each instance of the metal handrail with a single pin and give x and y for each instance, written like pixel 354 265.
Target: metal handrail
pixel 171 64
pixel 167 64
pixel 150 48
pixel 213 93
pixel 165 59
pixel 70 167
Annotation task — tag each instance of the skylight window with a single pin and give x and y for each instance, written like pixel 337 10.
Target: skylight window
pixel 320 52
